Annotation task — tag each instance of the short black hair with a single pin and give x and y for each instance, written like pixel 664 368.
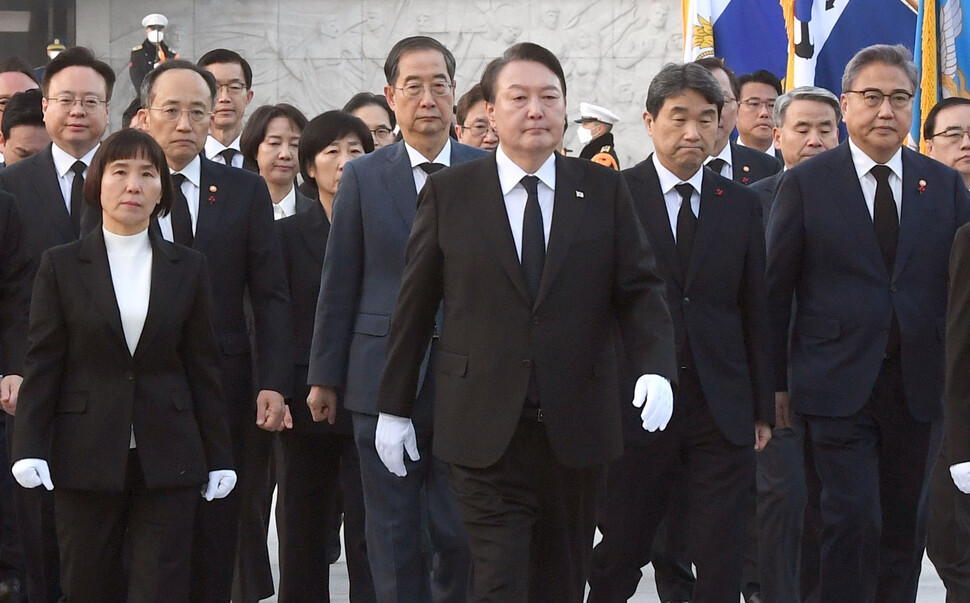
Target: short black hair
pixel 712 63
pixel 148 82
pixel 467 101
pixel 523 51
pixel 392 64
pixel 129 144
pixel 761 76
pixel 23 109
pixel 78 56
pixel 224 55
pixel 369 99
pixel 255 130
pixel 930 124
pixel 674 79
pixel 326 128
pixel 17 65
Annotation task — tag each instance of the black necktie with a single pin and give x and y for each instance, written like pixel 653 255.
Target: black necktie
pixel 686 226
pixel 533 237
pixel 717 165
pixel 227 155
pixel 431 168
pixel 77 195
pixel 884 216
pixel 181 219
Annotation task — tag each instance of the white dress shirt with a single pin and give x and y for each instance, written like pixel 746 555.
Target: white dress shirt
pixel 286 206
pixel 863 163
pixel 130 262
pixel 190 188
pixel 509 176
pixel 672 198
pixel 65 175
pixel 213 147
pixel 725 154
pixel 420 176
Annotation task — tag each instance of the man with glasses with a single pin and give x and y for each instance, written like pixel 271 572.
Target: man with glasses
pixel 858 242
pixel 473 128
pixel 372 216
pixel 755 107
pixel 234 83
pixel 374 111
pixel 48 187
pixel 226 214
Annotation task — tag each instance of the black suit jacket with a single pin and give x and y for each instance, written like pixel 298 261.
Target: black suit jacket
pixel 83 390
pixel 752 165
pixel 720 311
pixel 766 189
pixel 599 270
pixel 16 280
pixel 958 351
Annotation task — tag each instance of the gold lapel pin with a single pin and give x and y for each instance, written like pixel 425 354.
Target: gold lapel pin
pixel 213 188
pixel 746 169
pixel 580 195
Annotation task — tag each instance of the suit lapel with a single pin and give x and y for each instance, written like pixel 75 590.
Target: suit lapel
pixel 399 183
pixel 314 229
pixel 49 196
pixel 915 218
pixel 658 222
pixel 209 218
pixel 95 273
pixel 567 214
pixel 495 227
pixel 848 197
pixel 165 284
pixel 709 219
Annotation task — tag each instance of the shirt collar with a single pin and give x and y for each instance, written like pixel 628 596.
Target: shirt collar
pixel 64 160
pixel 213 147
pixel 444 157
pixel 725 154
pixel 863 163
pixel 668 180
pixel 509 174
pixel 288 203
pixel 192 172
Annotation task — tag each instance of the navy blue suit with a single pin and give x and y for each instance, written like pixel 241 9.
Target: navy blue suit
pixel 873 416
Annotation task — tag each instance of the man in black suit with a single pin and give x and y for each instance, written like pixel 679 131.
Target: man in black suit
pixel 227 215
pixel 527 410
pixel 730 159
pixel 786 549
pixel 757 93
pixel 859 240
pixel 234 81
pixel 710 251
pixel 48 187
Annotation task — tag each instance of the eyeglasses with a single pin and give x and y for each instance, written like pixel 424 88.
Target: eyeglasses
pixel 90 103
pixel 438 89
pixel 231 87
pixel 478 130
pixel 173 113
pixel 381 132
pixel 953 135
pixel 873 97
pixel 755 104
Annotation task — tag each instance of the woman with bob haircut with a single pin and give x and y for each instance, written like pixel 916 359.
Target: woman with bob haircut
pixel 121 405
pixel 271 141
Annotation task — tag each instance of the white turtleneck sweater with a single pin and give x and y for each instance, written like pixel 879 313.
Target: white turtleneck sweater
pixel 130 262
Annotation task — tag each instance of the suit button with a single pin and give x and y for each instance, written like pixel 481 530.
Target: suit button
pixel 535 320
pixel 686 301
pixel 129 376
pixel 894 289
pixel 526 363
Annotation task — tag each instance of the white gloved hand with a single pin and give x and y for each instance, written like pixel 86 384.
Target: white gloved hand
pixel 220 484
pixel 653 394
pixel 31 473
pixel 961 476
pixel 394 436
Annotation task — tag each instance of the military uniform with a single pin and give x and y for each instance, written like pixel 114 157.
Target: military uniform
pixel 145 57
pixel 601 150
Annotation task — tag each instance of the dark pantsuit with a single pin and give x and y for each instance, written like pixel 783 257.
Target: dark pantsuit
pixel 253 577
pixel 314 467
pixel 719 483
pixel 947 536
pixel 875 468
pixel 11 557
pixel 528 510
pixel 393 524
pixel 153 525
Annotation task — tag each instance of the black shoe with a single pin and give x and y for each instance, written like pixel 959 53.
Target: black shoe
pixel 10 591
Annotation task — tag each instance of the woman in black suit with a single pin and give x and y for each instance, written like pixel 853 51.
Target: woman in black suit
pixel 318 457
pixel 271 141
pixel 121 404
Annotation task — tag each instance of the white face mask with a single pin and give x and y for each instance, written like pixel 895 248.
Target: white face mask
pixel 584 135
pixel 155 36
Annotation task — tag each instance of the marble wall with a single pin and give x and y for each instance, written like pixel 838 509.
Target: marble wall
pixel 316 54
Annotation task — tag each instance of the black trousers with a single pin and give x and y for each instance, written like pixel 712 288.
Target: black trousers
pixel 948 536
pixel 530 522
pixel 11 556
pixel 252 575
pixel 720 500
pixel 153 526
pixel 313 468
pixel 874 468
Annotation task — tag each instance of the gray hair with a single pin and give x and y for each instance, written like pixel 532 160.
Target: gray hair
pixel 896 56
pixel 808 93
pixel 674 79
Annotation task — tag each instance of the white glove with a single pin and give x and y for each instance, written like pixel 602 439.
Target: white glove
pixel 394 436
pixel 653 394
pixel 31 473
pixel 960 474
pixel 220 484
